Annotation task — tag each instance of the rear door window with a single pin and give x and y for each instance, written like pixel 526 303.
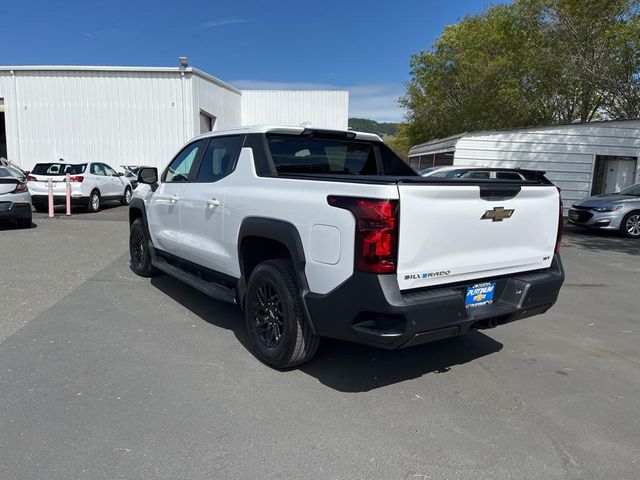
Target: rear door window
pixel 97 169
pixel 219 158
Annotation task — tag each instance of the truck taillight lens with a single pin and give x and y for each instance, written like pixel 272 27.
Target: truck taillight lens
pixel 560 222
pixel 376 238
pixel 77 178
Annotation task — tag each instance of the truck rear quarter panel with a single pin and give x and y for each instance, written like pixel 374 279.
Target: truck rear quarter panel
pixel 326 233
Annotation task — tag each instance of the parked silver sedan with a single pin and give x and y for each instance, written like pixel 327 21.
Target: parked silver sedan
pixel 613 211
pixel 15 201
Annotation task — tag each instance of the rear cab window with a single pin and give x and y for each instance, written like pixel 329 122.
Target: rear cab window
pixel 300 155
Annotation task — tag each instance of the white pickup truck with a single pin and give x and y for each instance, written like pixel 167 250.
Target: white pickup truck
pixel 318 233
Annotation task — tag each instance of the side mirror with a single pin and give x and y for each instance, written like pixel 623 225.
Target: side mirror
pixel 148 175
pixel 120 174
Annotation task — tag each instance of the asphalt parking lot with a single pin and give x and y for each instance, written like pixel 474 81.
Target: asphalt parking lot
pixel 107 375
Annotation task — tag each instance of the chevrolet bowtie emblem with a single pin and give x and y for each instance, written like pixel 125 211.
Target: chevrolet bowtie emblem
pixel 497 214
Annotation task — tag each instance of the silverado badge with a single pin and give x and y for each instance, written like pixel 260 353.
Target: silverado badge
pixel 497 214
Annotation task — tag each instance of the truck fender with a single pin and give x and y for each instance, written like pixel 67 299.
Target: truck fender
pixel 285 233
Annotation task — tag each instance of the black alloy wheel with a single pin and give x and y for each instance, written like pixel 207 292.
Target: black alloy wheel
pixel 268 315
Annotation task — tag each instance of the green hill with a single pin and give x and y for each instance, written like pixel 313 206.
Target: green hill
pixel 371 126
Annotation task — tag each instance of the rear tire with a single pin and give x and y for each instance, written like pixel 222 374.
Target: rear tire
pixel 126 197
pixel 40 208
pixel 279 333
pixel 140 251
pixel 24 222
pixel 94 202
pixel 630 225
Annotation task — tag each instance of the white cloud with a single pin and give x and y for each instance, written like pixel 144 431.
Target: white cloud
pixel 221 21
pixel 376 101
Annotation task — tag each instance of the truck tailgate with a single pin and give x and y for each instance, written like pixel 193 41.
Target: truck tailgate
pixel 452 233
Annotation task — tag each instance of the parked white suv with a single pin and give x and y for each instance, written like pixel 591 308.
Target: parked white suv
pixel 329 233
pixel 91 184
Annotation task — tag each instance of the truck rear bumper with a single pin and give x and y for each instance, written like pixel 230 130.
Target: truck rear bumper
pixel 371 309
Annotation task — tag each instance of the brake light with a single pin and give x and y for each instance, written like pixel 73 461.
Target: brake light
pixel 31 178
pixel 21 188
pixel 77 178
pixel 560 222
pixel 376 239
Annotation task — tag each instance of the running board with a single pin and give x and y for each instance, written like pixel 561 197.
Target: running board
pixel 213 290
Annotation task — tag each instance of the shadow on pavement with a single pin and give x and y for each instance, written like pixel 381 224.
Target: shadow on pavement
pixel 599 240
pixel 349 367
pixel 217 313
pixel 111 210
pixel 7 224
pixel 344 366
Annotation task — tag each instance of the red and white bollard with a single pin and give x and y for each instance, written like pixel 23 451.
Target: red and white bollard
pixel 68 180
pixel 50 183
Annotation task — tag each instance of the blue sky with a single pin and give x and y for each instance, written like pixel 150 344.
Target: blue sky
pixel 363 46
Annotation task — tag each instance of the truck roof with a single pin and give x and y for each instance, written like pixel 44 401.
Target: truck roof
pixel 288 129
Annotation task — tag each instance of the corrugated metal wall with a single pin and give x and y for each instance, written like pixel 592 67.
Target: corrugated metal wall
pixel 321 108
pixel 220 102
pixel 121 115
pixel 118 117
pixel 566 153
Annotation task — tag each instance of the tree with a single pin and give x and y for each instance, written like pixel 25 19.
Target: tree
pixel 527 63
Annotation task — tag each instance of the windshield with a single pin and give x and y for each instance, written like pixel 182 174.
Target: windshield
pixel 58 169
pixel 632 190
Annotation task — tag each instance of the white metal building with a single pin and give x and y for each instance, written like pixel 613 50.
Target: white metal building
pixel 582 159
pixel 138 115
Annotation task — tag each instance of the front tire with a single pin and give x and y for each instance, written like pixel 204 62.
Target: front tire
pixel 94 202
pixel 126 198
pixel 139 250
pixel 279 333
pixel 630 225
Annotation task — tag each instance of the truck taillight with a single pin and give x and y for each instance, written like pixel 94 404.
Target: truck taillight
pixel 31 178
pixel 560 222
pixel 77 178
pixel 376 238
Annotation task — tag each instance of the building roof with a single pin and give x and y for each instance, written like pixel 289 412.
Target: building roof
pixel 437 145
pixel 114 68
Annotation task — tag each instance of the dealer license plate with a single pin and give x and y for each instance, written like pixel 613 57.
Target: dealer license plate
pixel 481 294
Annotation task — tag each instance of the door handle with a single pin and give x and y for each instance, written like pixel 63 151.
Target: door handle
pixel 173 198
pixel 213 203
